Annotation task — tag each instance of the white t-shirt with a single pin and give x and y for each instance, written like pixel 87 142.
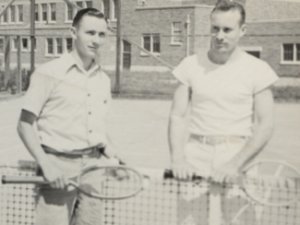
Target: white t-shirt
pixel 222 95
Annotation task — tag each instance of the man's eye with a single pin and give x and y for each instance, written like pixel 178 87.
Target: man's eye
pixel 102 34
pixel 227 30
pixel 215 29
pixel 91 32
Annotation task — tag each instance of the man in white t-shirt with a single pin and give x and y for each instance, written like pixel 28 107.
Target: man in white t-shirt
pixel 227 98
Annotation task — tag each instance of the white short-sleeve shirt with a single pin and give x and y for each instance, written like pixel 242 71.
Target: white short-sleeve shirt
pixel 222 95
pixel 71 104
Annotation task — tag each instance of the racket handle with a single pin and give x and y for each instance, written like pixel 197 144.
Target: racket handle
pixel 23 180
pixel 168 174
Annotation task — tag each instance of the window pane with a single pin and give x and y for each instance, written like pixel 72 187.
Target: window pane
pixel 1 45
pixel 59 46
pixel 79 4
pixel 53 11
pixel 36 12
pixel 69 12
pixel 89 4
pixel 147 42
pixel 106 8
pixel 176 32
pixel 156 43
pixel 20 9
pixel 44 12
pixel 288 52
pixel 5 18
pixel 25 44
pixel 298 52
pixel 69 42
pixel 13 13
pixel 50 49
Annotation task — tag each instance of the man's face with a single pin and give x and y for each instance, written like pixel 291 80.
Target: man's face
pixel 89 36
pixel 226 30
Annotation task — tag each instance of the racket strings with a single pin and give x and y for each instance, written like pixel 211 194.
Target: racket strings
pixel 110 182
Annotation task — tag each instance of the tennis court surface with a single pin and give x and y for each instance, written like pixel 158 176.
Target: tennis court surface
pixel 165 201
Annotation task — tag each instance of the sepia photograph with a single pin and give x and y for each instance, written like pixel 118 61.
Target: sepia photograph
pixel 150 112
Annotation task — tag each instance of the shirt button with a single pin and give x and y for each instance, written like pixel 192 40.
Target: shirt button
pixel 90 131
pixel 88 94
pixel 90 113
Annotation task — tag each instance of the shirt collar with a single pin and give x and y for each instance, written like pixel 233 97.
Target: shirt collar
pixel 70 61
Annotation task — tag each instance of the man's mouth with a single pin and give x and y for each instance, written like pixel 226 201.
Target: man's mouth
pixel 92 48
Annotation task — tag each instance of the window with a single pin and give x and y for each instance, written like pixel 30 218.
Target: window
pixel 13 13
pixel 291 53
pixel 176 33
pixel 151 42
pixel 79 4
pixel 71 10
pixel 1 45
pixel 25 44
pixel 89 4
pixel 70 13
pixel 254 53
pixel 50 46
pixel 44 12
pixel 57 46
pixel 36 12
pixel 5 17
pixel 69 44
pixel 20 13
pixel 52 12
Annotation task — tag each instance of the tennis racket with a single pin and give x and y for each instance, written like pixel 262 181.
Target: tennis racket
pixel 266 182
pixel 99 182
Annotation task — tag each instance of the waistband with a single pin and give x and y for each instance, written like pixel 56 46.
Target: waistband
pixel 218 139
pixel 94 151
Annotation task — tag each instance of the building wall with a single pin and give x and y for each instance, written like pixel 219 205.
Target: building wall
pixel 59 29
pixel 142 20
pixel 270 36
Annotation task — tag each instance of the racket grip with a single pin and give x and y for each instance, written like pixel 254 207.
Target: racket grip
pixel 168 174
pixel 22 180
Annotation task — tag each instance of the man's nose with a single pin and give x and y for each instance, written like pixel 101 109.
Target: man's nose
pixel 96 40
pixel 220 35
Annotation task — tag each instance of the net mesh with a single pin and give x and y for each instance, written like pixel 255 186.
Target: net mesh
pixel 165 201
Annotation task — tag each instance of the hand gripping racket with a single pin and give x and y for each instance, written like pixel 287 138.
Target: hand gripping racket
pixel 266 182
pixel 99 182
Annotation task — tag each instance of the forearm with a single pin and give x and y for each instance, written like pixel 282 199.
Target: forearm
pixel 261 136
pixel 176 137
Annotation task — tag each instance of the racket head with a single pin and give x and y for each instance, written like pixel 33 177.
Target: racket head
pixel 272 183
pixel 109 182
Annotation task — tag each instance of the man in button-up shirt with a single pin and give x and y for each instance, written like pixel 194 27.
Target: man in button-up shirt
pixel 68 100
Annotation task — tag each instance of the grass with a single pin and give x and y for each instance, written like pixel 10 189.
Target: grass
pixel 161 85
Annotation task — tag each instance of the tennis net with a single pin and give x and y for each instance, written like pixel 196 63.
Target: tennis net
pixel 164 202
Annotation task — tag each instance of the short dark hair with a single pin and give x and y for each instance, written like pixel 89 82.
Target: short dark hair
pixel 87 11
pixel 227 5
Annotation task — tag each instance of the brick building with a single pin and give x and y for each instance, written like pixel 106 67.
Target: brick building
pixel 168 29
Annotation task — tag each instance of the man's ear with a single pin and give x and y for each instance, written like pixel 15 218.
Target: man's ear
pixel 73 32
pixel 243 30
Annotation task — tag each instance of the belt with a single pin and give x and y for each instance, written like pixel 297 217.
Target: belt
pixel 94 151
pixel 216 140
